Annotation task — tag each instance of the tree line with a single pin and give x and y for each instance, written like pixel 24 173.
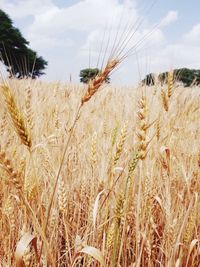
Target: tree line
pixel 185 76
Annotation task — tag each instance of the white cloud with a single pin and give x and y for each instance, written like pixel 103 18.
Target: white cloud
pixel 175 56
pixel 84 16
pixel 183 53
pixel 169 18
pixel 24 8
pixel 88 19
pixel 194 35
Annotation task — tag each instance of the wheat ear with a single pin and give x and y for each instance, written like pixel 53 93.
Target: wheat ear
pixel 6 164
pixel 120 144
pixel 94 84
pixel 165 100
pixel 157 126
pixel 16 116
pixel 143 126
pixel 62 196
pixel 170 83
pixel 28 104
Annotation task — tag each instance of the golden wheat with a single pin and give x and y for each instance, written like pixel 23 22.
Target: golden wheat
pixel 16 116
pixel 139 213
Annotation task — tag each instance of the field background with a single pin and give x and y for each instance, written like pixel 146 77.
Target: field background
pixel 128 191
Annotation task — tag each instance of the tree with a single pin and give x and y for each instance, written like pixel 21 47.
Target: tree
pixel 149 79
pixel 186 76
pixel 15 53
pixel 89 74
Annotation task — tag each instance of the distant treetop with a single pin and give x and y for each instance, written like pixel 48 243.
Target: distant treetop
pixel 89 74
pixel 183 75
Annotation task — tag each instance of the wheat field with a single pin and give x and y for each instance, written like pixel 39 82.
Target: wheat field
pixel 110 180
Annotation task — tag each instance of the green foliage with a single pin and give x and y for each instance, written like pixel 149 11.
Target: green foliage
pixel 184 75
pixel 89 74
pixel 188 76
pixel 149 79
pixel 20 60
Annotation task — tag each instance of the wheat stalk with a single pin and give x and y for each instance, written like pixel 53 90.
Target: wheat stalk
pixel 119 213
pixel 9 210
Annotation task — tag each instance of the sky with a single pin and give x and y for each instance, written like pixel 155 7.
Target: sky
pixel 154 35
